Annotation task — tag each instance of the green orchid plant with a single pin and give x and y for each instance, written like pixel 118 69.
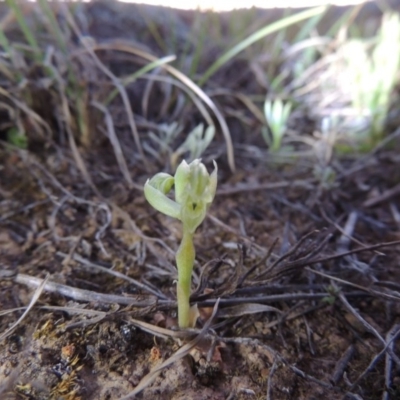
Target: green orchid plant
pixel 277 114
pixel 194 192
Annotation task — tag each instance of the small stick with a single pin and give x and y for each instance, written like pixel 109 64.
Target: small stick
pixel 389 360
pixel 368 327
pixel 84 295
pixel 341 365
pixel 374 361
pixel 91 265
pixel 269 384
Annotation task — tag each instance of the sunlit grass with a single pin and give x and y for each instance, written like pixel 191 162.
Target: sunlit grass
pixel 193 92
pixel 260 34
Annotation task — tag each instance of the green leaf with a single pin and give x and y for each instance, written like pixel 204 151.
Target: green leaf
pixel 161 202
pixel 17 138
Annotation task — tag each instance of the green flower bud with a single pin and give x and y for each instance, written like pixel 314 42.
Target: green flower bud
pixel 182 178
pixel 162 182
pixel 194 190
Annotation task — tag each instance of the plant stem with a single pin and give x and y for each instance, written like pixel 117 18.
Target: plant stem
pixel 184 260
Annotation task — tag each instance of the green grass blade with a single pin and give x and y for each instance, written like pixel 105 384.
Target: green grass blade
pixel 54 28
pixel 277 45
pixel 131 78
pixel 343 21
pixel 30 38
pixel 4 42
pixel 184 55
pixel 308 27
pixel 276 50
pixel 260 34
pixel 198 51
pixel 154 32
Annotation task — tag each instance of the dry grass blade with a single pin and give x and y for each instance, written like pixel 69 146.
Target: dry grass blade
pixel 246 309
pixel 209 268
pixel 11 310
pixel 269 383
pixel 363 288
pixel 95 316
pixel 182 352
pixel 37 122
pixel 35 298
pixel 300 254
pixel 68 126
pixel 80 162
pixel 10 214
pixel 112 136
pixel 90 49
pixel 158 331
pixel 385 196
pixel 93 266
pixel 246 100
pixel 139 73
pixel 367 326
pixel 346 235
pixel 303 375
pixel 203 111
pixel 84 295
pixel 226 288
pixel 76 311
pixel 257 264
pixel 393 336
pixel 190 84
pixel 342 364
pixel 266 299
pixel 228 228
pixel 243 188
pixel 389 361
pixel 355 251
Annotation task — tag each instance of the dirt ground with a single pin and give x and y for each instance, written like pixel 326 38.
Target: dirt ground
pixel 297 278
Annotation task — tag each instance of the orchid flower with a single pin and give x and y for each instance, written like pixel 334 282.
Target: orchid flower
pixel 194 192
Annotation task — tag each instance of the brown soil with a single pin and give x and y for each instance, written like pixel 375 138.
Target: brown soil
pixel 306 269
